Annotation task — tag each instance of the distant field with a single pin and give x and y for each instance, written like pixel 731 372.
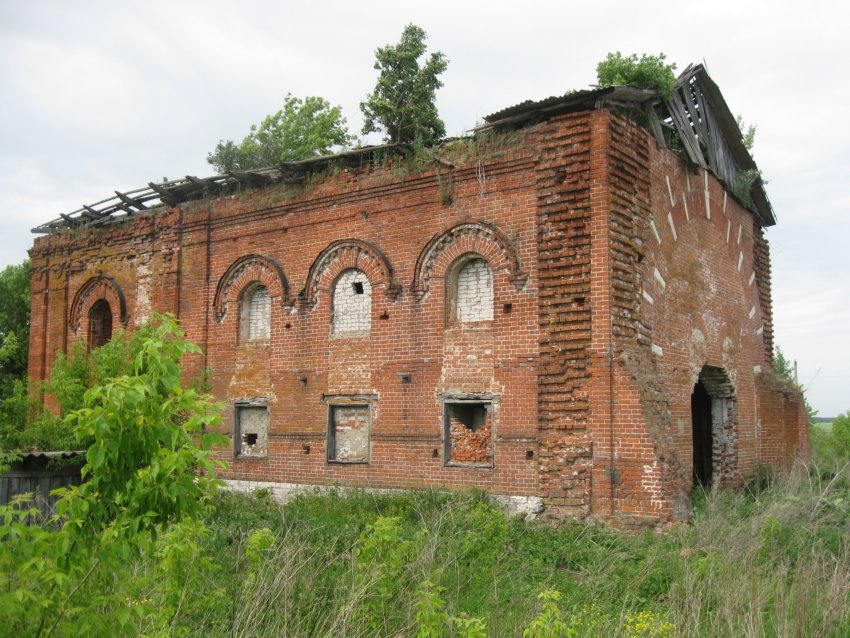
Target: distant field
pixel 825 426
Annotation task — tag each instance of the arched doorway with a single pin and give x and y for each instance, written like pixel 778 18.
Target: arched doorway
pixel 100 324
pixel 714 417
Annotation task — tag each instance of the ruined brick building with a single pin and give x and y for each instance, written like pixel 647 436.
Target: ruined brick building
pixel 568 309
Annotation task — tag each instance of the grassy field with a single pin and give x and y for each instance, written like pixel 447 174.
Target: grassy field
pixel 772 559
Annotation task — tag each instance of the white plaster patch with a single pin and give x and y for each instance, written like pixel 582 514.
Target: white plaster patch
pixel 760 331
pixel 725 197
pixel 705 177
pixel 672 225
pixel 728 230
pixel 654 230
pixel 757 369
pixel 740 231
pixel 687 212
pixel 143 293
pixel 475 292
pixel 707 204
pixel 648 297
pixel 752 278
pixel 740 260
pixel 752 312
pixel 658 350
pixel 659 278
pixel 670 191
pixel 529 506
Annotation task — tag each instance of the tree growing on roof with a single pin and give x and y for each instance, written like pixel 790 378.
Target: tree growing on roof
pixel 402 104
pixel 646 72
pixel 300 130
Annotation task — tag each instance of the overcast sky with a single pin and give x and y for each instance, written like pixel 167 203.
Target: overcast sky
pixel 99 96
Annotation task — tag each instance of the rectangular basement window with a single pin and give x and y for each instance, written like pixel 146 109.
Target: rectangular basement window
pixel 348 433
pixel 468 433
pixel 251 430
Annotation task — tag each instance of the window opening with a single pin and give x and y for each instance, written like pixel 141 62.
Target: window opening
pixel 348 433
pixel 473 292
pixel 256 314
pixel 352 304
pixel 251 431
pixel 100 324
pixel 468 433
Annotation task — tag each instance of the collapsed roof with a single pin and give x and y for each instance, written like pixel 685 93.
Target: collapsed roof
pixel 696 119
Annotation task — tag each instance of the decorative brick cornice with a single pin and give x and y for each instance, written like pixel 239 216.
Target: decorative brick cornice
pixel 345 254
pixel 480 238
pixel 247 270
pixel 96 288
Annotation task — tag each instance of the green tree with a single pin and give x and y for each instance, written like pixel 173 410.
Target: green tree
pixel 645 72
pixel 148 467
pixel 14 345
pixel 402 104
pixel 300 130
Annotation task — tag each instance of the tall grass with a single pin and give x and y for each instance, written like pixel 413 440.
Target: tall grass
pixel 772 559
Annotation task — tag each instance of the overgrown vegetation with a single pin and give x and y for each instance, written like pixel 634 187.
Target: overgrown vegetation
pixel 14 345
pixel 34 426
pixel 436 564
pixel 149 476
pixel 644 72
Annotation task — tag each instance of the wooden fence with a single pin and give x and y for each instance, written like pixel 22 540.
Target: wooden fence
pixel 40 473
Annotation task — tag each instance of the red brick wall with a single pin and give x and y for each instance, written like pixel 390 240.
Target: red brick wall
pixel 618 273
pixel 688 270
pixel 303 367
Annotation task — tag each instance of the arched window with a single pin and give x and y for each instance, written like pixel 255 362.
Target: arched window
pixel 255 320
pixel 352 303
pixel 471 290
pixel 100 324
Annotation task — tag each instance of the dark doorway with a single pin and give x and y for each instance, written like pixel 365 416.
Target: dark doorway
pixel 701 429
pixel 100 324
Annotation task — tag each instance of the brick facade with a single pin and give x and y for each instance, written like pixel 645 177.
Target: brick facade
pixel 616 279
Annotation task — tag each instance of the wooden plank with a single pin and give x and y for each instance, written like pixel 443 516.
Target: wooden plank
pixel 655 124
pixel 131 201
pixel 164 195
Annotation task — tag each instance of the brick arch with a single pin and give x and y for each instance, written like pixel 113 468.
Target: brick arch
pixel 92 291
pixel 347 254
pixel 247 270
pixel 478 238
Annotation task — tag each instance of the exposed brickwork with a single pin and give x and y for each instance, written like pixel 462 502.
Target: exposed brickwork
pixel 352 304
pixel 474 291
pixel 578 282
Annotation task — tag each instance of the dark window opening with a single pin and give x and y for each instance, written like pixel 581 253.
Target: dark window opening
pixel 348 433
pixel 358 287
pixel 100 324
pixel 468 434
pixel 703 442
pixel 249 438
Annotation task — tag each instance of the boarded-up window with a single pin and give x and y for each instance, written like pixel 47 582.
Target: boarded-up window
pixel 352 304
pixel 348 436
pixel 468 433
pixel 473 292
pixel 100 324
pixel 251 431
pixel 255 324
